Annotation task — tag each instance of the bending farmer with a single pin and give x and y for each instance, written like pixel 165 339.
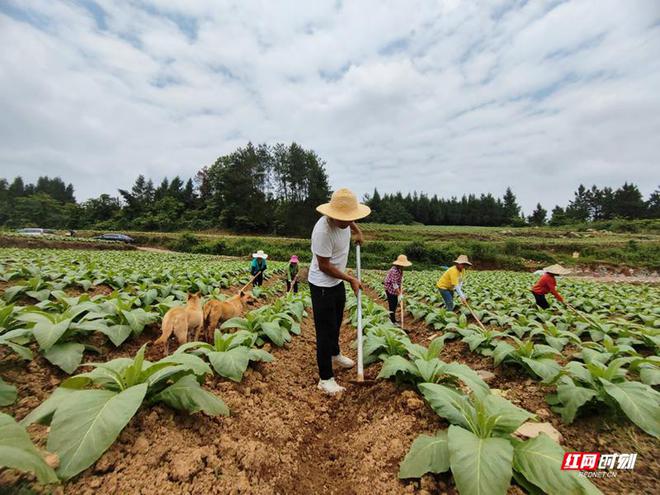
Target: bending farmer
pixel 394 283
pixel 452 280
pixel 258 267
pixel 548 283
pixel 292 274
pixel 331 240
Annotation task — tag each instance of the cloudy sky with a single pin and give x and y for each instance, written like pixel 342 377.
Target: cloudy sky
pixel 441 96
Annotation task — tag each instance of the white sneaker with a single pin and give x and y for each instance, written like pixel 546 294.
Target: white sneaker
pixel 343 361
pixel 330 386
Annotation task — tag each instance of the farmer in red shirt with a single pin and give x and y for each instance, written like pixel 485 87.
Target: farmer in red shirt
pixel 548 283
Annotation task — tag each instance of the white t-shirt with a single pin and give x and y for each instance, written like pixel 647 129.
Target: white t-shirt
pixel 328 242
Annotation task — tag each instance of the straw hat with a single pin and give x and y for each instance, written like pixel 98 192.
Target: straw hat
pixel 260 254
pixel 556 270
pixel 344 206
pixel 462 260
pixel 402 260
pixel 294 259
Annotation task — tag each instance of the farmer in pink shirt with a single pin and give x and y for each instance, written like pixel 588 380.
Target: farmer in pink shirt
pixel 394 284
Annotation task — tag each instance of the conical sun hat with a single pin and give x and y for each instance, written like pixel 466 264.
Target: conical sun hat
pixel 462 260
pixel 402 260
pixel 260 254
pixel 556 270
pixel 344 206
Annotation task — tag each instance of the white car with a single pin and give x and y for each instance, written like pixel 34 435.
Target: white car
pixel 34 231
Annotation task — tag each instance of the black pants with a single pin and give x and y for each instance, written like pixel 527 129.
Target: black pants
pixel 541 301
pixel 328 306
pixel 259 280
pixel 295 286
pixel 392 302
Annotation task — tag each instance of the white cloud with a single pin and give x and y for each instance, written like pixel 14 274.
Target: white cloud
pixel 436 96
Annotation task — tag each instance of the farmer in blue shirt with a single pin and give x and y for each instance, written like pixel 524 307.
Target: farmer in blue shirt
pixel 258 267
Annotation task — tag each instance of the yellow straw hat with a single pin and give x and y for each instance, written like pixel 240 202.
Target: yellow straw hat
pixel 344 206
pixel 462 260
pixel 402 260
pixel 556 270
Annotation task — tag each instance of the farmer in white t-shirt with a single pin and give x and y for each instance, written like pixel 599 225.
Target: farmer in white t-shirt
pixel 331 240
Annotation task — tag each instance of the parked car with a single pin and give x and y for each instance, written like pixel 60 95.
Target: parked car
pixel 115 237
pixel 34 231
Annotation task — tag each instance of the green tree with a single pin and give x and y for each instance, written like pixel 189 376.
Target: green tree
pixel 653 204
pixel 510 206
pixel 558 216
pixel 628 202
pixel 579 209
pixel 538 216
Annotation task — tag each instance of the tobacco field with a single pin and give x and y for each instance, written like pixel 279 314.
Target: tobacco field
pixel 88 404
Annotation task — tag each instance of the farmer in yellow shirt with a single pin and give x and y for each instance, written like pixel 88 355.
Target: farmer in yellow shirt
pixel 452 280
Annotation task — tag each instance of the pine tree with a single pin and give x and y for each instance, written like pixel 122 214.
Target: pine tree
pixel 628 202
pixel 511 208
pixel 538 216
pixel 558 216
pixel 653 204
pixel 579 209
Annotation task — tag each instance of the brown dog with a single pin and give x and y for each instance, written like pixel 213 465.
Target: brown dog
pixel 181 320
pixel 216 311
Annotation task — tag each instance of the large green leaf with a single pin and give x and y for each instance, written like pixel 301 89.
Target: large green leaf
pixel 86 425
pixel 7 393
pixel 236 322
pixel 67 356
pixel 187 395
pixel 232 363
pixel 396 364
pixel 22 351
pixel 445 401
pixel 18 452
pixel 261 355
pixel 47 333
pixel 507 417
pixel 501 351
pixel 427 454
pixel 44 412
pixel 116 333
pixel 546 368
pixel 274 332
pixel 572 399
pixel 639 402
pixel 195 363
pixel 481 466
pixel 650 375
pixel 137 319
pixel 539 461
pixel 468 376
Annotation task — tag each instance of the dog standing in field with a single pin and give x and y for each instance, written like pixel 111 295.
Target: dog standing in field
pixel 216 311
pixel 181 320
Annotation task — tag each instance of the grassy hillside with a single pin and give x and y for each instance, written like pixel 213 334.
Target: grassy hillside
pixel 430 246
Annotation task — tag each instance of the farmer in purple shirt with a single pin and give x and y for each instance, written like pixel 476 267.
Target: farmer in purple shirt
pixel 394 283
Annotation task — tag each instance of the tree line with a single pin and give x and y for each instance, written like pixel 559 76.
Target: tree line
pixel 261 189
pixel 274 190
pixel 587 205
